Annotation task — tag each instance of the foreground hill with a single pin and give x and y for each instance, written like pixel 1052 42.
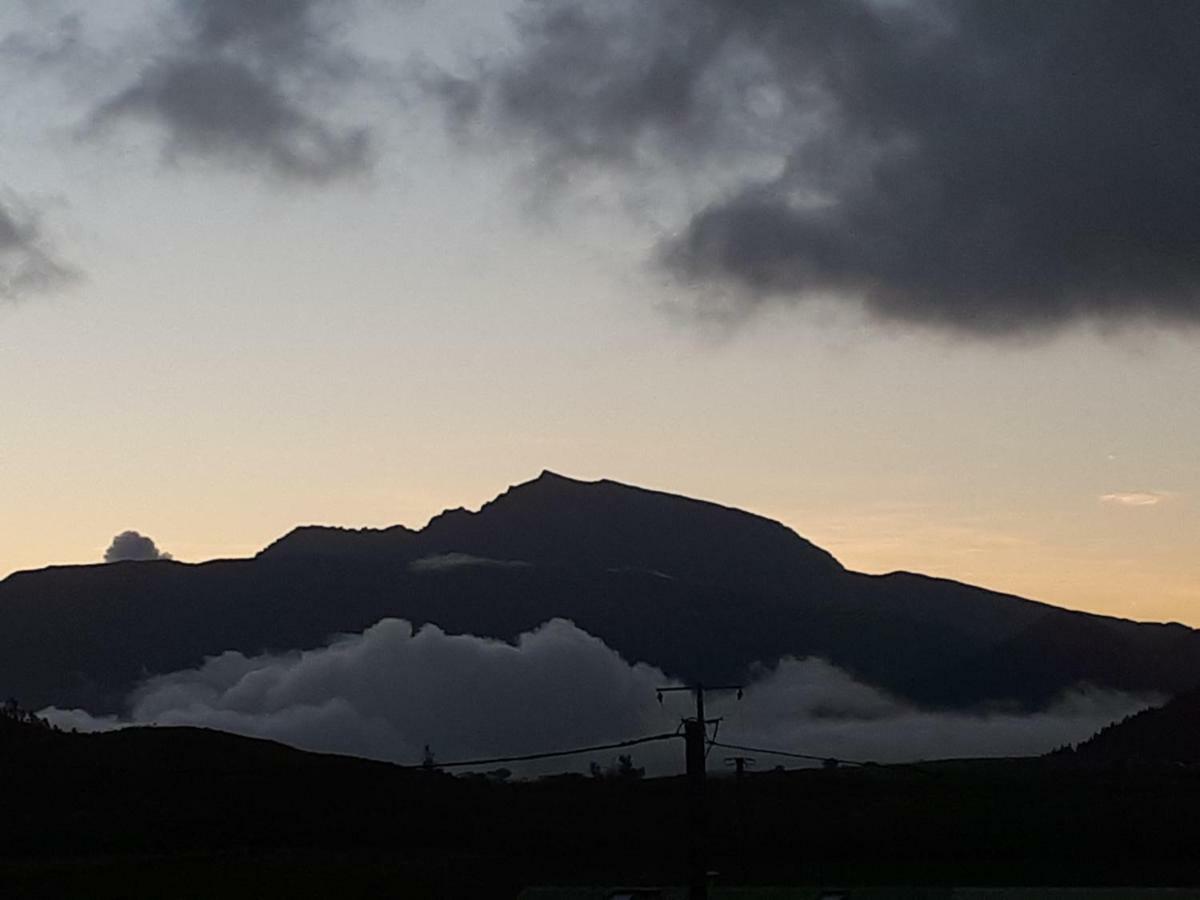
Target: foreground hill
pixel 699 590
pixel 181 812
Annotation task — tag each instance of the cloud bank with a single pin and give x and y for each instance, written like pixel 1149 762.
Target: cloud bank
pixel 240 83
pixel 388 692
pixel 994 169
pixel 130 545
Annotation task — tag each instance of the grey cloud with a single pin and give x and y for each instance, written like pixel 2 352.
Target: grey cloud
pixel 130 545
pixel 242 84
pixel 986 168
pixel 51 43
pixel 387 692
pixel 445 561
pixel 219 108
pixel 28 265
pixel 270 27
pixel 812 704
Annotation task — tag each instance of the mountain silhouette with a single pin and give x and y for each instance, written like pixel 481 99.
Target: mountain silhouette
pixel 703 591
pixel 598 526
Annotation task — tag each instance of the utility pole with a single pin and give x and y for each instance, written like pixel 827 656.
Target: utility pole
pixel 741 764
pixel 695 734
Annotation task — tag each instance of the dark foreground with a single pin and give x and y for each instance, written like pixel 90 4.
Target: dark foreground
pixel 188 813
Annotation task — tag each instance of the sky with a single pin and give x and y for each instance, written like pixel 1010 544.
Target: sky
pixel 917 279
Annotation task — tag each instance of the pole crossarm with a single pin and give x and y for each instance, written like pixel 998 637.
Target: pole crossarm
pixel 699 690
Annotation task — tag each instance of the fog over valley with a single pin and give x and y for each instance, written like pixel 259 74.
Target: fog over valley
pixel 390 691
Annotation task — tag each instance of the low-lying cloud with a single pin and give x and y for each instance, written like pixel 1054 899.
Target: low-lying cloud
pixel 988 168
pixel 811 703
pixel 442 562
pixel 390 691
pixel 131 545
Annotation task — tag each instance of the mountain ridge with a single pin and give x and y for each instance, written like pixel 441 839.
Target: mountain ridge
pixel 703 591
pixel 560 498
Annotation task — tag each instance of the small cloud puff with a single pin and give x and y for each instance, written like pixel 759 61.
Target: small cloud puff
pixel 130 545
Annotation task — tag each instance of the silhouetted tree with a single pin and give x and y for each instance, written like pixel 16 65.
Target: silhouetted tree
pixel 624 770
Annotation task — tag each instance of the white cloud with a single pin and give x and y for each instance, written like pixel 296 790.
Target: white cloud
pixel 387 692
pixel 1136 498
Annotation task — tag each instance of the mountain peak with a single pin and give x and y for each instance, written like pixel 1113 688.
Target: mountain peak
pixel 556 519
pixel 551 477
pixel 597 525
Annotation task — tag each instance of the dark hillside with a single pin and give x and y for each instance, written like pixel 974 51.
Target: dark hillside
pixel 188 813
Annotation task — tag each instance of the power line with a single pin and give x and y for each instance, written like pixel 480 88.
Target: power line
pixel 916 767
pixel 808 756
pixel 549 755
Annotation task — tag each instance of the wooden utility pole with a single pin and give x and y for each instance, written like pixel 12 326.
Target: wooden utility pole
pixel 695 733
pixel 741 764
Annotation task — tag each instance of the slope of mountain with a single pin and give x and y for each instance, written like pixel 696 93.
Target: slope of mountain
pixel 702 591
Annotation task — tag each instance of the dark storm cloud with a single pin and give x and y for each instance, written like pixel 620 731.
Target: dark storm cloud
pixel 242 82
pixel 130 545
pixel 27 264
pixel 991 168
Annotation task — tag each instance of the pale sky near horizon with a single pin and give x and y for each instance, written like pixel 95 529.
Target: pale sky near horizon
pixel 244 351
